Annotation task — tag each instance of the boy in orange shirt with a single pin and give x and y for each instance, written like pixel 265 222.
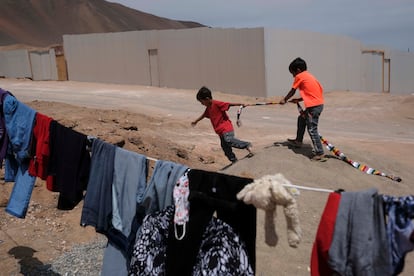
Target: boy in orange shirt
pixel 311 93
pixel 216 112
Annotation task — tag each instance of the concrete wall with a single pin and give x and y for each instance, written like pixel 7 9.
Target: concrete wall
pixel 334 60
pixel 250 62
pixel 15 64
pixel 43 65
pixel 242 61
pixel 109 57
pixel 402 72
pixel 22 63
pixel 229 60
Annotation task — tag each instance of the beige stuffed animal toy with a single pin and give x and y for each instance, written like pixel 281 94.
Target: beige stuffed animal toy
pixel 266 193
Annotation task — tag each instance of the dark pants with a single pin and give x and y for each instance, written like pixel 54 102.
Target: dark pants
pixel 229 141
pixel 310 120
pixel 211 192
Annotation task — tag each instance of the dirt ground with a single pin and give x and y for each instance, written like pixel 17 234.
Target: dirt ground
pixel 371 128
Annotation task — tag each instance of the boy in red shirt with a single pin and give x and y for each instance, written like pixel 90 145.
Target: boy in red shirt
pixel 216 112
pixel 311 93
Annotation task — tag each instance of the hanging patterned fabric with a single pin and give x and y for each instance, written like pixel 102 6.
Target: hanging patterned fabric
pixel 221 251
pixel 357 165
pixel 182 205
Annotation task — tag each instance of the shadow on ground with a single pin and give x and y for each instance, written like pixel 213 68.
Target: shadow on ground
pixel 28 263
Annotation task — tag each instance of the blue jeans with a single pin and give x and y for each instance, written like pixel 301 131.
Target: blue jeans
pixel 310 121
pixel 229 141
pixel 23 186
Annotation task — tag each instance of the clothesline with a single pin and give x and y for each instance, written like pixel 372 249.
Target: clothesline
pixel 285 185
pixel 152 159
pixel 91 138
pixel 308 188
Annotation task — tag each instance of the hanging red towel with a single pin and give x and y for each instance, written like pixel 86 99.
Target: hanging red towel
pixel 323 239
pixel 40 143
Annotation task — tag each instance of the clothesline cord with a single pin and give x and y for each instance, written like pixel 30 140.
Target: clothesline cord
pixel 286 185
pixel 91 138
pixel 308 188
pixel 152 159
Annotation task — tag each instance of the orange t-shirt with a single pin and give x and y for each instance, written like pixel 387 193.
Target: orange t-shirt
pixel 310 89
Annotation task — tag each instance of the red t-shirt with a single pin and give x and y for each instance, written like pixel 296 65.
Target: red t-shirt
pixel 216 112
pixel 310 89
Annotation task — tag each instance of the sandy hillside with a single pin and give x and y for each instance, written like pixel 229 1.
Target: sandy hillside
pixel 373 129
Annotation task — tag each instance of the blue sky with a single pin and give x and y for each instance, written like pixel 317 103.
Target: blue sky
pixel 388 23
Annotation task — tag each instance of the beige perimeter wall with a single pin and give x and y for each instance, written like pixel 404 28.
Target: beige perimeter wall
pixel 33 64
pixel 15 64
pixel 228 60
pixel 251 61
pixel 334 60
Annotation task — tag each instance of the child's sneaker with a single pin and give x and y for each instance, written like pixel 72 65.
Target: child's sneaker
pixel 250 150
pixel 320 158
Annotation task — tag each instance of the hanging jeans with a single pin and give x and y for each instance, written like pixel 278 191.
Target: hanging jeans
pixel 211 192
pixel 19 121
pixel 23 187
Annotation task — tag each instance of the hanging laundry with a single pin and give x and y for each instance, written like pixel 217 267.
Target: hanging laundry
pixel 4 139
pixel 158 193
pixel 97 205
pixel 400 229
pixel 41 150
pixel 19 121
pixel 359 244
pixel 182 205
pixel 69 164
pixel 319 258
pixel 211 193
pixel 266 193
pixel 221 251
pixel 129 183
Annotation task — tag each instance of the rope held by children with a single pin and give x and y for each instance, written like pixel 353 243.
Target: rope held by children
pixel 343 157
pixel 239 111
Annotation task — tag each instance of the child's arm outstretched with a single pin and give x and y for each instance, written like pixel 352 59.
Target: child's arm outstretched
pixel 237 104
pixel 288 96
pixel 193 123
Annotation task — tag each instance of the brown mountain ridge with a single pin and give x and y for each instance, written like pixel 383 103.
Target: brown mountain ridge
pixel 43 22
